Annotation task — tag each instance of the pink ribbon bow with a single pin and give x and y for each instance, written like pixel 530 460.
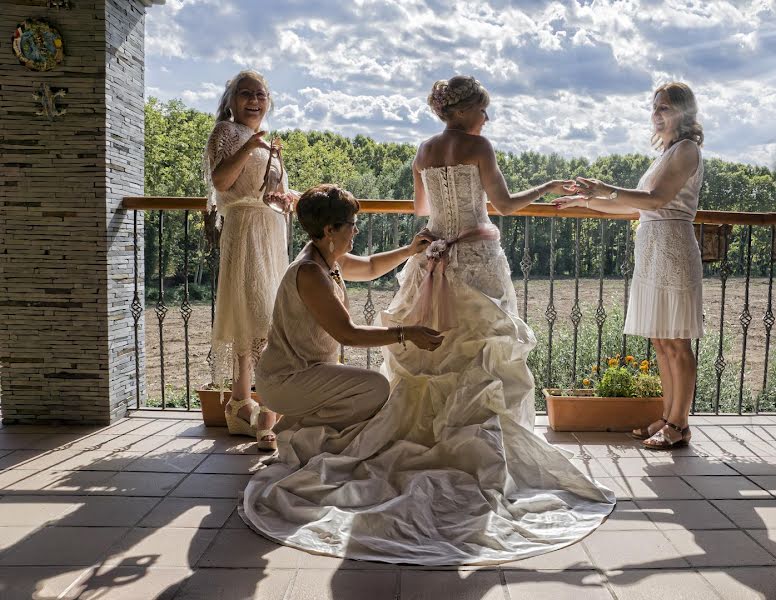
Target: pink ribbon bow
pixel 434 305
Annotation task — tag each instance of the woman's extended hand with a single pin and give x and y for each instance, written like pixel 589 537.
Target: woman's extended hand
pixel 256 141
pixel 424 338
pixel 571 201
pixel 592 188
pixel 562 187
pixel 421 240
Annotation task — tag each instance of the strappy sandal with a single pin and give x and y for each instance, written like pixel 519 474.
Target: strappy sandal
pixel 265 438
pixel 236 424
pixel 659 441
pixel 642 433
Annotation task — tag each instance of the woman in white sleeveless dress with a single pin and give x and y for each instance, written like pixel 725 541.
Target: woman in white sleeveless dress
pixel 253 246
pixel 449 471
pixel 666 298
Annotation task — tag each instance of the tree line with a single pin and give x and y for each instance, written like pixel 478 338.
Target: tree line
pixel 175 136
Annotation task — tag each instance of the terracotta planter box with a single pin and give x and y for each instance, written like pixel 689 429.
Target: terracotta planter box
pixel 212 409
pixel 583 411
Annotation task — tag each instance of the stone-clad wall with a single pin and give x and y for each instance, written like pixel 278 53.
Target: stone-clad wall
pixel 66 334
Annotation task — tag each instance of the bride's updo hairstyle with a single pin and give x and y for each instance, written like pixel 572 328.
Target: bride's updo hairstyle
pixel 224 112
pixel 457 93
pixel 325 204
pixel 682 99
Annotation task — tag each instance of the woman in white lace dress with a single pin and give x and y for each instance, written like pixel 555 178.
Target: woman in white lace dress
pixel 449 471
pixel 253 246
pixel 666 298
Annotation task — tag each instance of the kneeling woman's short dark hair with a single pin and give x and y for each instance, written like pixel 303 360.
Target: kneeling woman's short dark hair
pixel 325 204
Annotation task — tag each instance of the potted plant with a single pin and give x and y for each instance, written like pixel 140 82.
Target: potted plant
pixel 210 399
pixel 625 396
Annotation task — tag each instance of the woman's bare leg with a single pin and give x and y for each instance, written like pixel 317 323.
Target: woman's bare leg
pixel 683 367
pixel 666 381
pixel 241 386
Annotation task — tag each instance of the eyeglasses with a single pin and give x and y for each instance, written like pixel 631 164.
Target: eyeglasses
pixel 247 95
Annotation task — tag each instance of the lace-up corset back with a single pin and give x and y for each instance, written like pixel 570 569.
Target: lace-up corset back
pixel 456 199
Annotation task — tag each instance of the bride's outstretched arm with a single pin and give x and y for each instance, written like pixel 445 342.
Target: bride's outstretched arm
pixel 366 268
pixel 496 186
pixel 597 195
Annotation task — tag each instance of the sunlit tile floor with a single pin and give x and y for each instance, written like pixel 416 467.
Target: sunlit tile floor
pixel 145 508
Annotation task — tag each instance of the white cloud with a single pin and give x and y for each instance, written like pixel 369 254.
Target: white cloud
pixel 571 76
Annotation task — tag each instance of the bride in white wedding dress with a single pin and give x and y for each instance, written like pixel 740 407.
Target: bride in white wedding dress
pixel 449 471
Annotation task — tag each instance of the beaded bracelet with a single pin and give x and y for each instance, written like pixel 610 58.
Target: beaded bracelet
pixel 401 336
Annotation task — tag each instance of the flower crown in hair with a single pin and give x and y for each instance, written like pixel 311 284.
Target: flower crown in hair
pixel 443 96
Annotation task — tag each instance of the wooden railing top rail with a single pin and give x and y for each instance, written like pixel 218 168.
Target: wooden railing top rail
pixel 537 209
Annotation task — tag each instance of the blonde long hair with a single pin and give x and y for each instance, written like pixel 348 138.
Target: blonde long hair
pixel 224 112
pixel 681 97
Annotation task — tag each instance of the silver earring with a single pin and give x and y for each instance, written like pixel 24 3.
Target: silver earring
pixel 331 246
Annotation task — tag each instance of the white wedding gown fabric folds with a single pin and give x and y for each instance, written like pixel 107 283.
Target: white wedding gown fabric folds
pixel 449 471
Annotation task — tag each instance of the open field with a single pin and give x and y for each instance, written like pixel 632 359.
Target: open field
pixel 538 294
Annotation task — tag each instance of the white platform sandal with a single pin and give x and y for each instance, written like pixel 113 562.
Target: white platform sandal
pixel 264 444
pixel 236 424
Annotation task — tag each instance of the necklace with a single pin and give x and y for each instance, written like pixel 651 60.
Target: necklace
pixel 455 129
pixel 333 273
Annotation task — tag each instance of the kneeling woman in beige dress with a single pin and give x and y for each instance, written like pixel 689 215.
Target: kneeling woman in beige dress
pixel 299 376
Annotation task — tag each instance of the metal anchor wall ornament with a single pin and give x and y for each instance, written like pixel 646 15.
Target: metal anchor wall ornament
pixel 48 102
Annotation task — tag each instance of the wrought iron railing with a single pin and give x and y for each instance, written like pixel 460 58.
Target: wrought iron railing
pixel 574 337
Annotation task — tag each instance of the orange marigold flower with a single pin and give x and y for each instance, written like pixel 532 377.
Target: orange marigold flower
pixel 594 369
pixel 630 359
pixel 644 368
pixel 585 381
pixel 613 362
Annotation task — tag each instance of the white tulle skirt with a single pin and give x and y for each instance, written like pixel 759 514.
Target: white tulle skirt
pixel 666 295
pixel 449 471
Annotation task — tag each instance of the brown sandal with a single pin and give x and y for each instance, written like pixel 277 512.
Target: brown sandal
pixel 661 442
pixel 642 433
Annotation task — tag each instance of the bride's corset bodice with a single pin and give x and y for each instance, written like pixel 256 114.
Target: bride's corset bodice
pixel 456 199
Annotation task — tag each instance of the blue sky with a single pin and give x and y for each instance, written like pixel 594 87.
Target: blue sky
pixel 570 76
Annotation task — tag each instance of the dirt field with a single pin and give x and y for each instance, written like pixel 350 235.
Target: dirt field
pixel 538 294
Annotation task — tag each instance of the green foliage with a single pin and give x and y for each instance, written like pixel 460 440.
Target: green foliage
pixel 175 138
pixel 173 398
pixel 616 382
pixel 646 385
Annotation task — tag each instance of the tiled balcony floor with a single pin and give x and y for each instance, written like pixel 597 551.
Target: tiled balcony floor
pixel 145 509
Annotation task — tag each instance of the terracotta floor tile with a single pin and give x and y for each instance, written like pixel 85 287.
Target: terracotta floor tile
pixel 190 512
pixel 314 584
pixel 684 514
pixel 203 485
pixel 236 548
pixel 616 550
pixel 742 583
pixel 170 546
pixel 158 461
pixel 36 510
pixel 137 484
pixel 71 483
pixel 663 583
pixel 579 585
pixel 571 557
pixel 127 582
pixel 750 514
pixel 237 584
pixel 627 516
pixel 56 546
pixel 38 583
pixel 714 487
pixel 719 548
pixel 230 463
pixel 434 585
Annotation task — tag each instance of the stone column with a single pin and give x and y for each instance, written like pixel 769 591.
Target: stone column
pixel 66 250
